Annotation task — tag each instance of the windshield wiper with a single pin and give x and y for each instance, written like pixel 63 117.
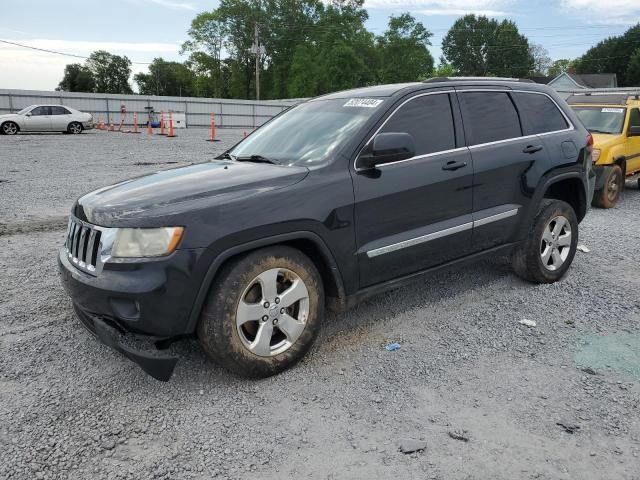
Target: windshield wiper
pixel 257 159
pixel 593 130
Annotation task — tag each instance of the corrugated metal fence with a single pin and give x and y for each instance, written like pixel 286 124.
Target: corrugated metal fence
pixel 106 107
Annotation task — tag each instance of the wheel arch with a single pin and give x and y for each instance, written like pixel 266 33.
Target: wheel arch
pixel 309 243
pixel 570 189
pixel 10 121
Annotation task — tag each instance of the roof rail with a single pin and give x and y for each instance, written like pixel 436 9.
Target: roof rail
pixel 451 79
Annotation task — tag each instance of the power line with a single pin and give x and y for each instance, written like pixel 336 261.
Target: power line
pixel 58 53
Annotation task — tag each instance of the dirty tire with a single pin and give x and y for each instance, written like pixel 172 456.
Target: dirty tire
pixel 75 128
pixel 527 259
pixel 9 128
pixel 613 184
pixel 218 332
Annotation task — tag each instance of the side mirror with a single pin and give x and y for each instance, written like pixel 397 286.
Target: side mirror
pixel 29 114
pixel 387 148
pixel 634 131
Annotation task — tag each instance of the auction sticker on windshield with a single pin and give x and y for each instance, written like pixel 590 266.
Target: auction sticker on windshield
pixel 363 102
pixel 613 110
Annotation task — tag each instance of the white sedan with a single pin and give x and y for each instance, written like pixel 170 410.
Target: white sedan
pixel 46 118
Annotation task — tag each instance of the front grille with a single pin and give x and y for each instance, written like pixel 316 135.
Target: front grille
pixel 83 245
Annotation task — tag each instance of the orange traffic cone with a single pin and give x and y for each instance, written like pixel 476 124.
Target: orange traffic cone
pixel 170 134
pixel 111 129
pixel 213 129
pixel 149 128
pixel 162 132
pixel 135 123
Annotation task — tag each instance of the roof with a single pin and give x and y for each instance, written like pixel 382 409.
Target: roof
pixel 623 98
pixel 589 80
pixel 438 82
pixel 541 79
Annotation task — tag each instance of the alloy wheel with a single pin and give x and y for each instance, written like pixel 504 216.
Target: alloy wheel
pixel 75 128
pixel 10 128
pixel 556 243
pixel 272 312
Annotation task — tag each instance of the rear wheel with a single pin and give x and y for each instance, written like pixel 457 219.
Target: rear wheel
pixel 10 128
pixel 613 184
pixel 263 312
pixel 547 252
pixel 74 128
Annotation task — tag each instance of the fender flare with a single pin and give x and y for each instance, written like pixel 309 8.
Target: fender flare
pixel 541 190
pixel 213 269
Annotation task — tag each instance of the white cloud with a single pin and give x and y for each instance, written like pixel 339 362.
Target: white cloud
pixel 173 4
pixel 33 70
pixel 607 12
pixel 82 47
pixel 457 12
pixel 445 7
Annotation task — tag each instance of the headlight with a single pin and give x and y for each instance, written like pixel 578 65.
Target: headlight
pixel 146 242
pixel 595 155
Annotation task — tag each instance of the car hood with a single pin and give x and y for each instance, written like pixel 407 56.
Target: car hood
pixel 8 115
pixel 171 192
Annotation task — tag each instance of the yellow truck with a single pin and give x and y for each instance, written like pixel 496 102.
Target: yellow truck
pixel 614 122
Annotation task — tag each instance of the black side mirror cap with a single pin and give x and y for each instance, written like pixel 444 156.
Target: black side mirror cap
pixel 634 131
pixel 387 148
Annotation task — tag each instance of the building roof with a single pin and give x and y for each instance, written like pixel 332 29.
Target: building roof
pixel 589 80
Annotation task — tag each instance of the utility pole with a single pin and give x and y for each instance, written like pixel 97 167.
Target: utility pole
pixel 258 50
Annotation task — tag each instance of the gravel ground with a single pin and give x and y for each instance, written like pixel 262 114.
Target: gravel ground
pixel 477 393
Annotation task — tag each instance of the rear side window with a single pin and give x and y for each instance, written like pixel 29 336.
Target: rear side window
pixel 488 117
pixel 428 119
pixel 538 113
pixel 59 111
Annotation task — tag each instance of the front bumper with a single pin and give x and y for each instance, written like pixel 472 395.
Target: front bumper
pixel 88 125
pixel 136 348
pixel 149 299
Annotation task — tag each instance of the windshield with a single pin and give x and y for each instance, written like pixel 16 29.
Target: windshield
pixel 25 110
pixel 602 119
pixel 309 133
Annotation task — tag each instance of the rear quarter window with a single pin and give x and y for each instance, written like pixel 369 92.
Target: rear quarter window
pixel 538 113
pixel 488 117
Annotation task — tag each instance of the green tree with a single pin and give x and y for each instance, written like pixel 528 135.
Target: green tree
pixel 166 78
pixel 444 69
pixel 541 59
pixel 206 41
pixel 111 72
pixel 559 66
pixel 77 78
pixel 403 50
pixel 633 70
pixel 611 55
pixel 479 46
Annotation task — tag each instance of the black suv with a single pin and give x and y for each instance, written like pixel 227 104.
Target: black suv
pixel 334 200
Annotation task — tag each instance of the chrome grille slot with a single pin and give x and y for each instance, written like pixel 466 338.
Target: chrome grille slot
pixel 82 245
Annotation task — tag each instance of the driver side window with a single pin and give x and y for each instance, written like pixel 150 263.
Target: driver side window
pixel 429 120
pixel 38 111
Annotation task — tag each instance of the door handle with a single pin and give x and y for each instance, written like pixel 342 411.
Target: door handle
pixel 532 148
pixel 453 165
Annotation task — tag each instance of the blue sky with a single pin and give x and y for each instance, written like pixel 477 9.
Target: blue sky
pixel 144 29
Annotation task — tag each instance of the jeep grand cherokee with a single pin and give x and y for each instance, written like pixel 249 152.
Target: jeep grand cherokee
pixel 334 200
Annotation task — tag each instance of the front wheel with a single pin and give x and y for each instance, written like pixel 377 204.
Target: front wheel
pixel 74 128
pixel 548 250
pixel 613 184
pixel 263 312
pixel 10 128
